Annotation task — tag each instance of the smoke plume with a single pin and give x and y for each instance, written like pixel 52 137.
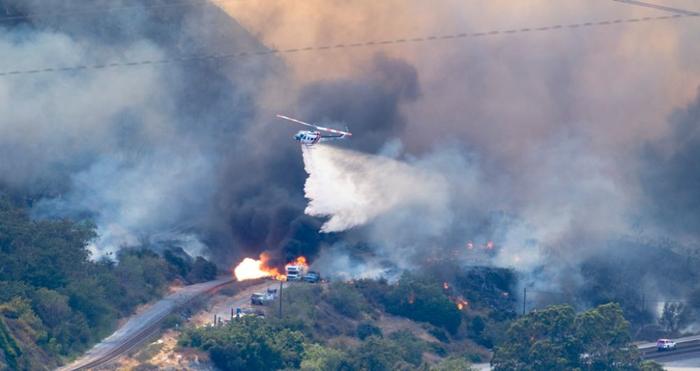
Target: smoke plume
pixel 557 146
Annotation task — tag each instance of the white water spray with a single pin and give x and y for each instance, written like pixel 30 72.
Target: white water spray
pixel 352 188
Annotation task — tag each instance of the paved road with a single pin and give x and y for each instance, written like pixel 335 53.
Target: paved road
pixel 141 326
pixel 687 348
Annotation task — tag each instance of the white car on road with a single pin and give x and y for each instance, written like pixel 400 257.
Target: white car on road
pixel 665 344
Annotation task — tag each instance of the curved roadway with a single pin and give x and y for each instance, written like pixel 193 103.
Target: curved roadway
pixel 139 327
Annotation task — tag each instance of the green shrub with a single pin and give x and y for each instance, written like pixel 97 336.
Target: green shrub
pixel 423 299
pixel 249 343
pixel 411 347
pixel 366 329
pixel 346 300
pixel 452 364
pixel 57 301
pixel 320 358
pixel 376 354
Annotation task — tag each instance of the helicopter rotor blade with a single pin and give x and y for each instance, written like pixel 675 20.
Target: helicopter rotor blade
pixel 346 133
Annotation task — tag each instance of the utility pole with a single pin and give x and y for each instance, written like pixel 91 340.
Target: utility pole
pixel 524 299
pixel 280 298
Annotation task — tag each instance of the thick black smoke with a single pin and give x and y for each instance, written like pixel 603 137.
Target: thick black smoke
pixel 369 104
pixel 170 155
pixel 532 134
pixel 263 197
pixel 139 149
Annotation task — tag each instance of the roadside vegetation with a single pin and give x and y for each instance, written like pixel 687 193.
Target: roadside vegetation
pixel 557 338
pixel 414 323
pixel 55 302
pixel 364 325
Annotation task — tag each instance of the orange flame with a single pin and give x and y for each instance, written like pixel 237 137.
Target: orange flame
pixel 250 269
pixel 445 285
pixel 461 304
pixel 300 261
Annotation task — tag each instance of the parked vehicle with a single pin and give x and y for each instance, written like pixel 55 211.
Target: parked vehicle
pixel 312 277
pixel 246 312
pixel 262 298
pixel 665 344
pixel 295 272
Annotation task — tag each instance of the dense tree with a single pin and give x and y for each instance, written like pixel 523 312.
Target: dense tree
pixel 556 338
pixel 248 344
pixel 422 299
pixel 56 300
pixel 202 271
pixel 452 364
pixel 320 358
pixel 674 316
pixel 376 354
pixel 367 329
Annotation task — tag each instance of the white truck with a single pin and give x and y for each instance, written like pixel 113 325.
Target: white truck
pixel 296 272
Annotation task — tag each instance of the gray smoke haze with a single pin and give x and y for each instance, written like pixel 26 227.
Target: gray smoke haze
pixel 147 153
pixel 559 147
pixel 672 174
pixel 544 137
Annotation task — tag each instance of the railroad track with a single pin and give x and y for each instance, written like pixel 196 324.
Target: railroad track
pixel 130 341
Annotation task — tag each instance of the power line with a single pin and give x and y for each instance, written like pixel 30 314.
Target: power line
pixel 234 55
pixel 658 7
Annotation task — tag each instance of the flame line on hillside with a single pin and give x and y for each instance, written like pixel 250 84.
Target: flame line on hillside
pixel 403 40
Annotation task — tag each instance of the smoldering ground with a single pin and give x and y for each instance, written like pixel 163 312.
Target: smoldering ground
pixel 538 139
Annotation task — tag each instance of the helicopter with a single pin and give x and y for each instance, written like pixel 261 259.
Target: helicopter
pixel 309 137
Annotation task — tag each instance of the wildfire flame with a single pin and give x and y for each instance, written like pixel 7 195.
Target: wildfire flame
pixel 411 298
pixel 300 261
pixel 445 285
pixel 461 304
pixel 250 269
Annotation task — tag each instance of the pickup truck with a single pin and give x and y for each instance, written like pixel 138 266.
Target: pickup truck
pixel 263 298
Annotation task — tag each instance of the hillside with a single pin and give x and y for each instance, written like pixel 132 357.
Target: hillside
pixel 55 301
pixel 364 324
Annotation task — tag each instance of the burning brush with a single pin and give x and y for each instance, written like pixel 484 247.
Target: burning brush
pixel 250 269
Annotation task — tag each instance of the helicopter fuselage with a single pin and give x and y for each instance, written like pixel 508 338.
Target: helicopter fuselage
pixel 308 137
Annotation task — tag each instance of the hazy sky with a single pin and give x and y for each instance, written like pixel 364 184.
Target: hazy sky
pixel 554 128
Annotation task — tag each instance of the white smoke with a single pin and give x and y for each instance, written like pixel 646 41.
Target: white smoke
pixel 353 188
pixel 137 199
pixel 430 205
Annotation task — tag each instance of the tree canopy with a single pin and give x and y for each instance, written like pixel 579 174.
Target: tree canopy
pixel 556 338
pixel 56 300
